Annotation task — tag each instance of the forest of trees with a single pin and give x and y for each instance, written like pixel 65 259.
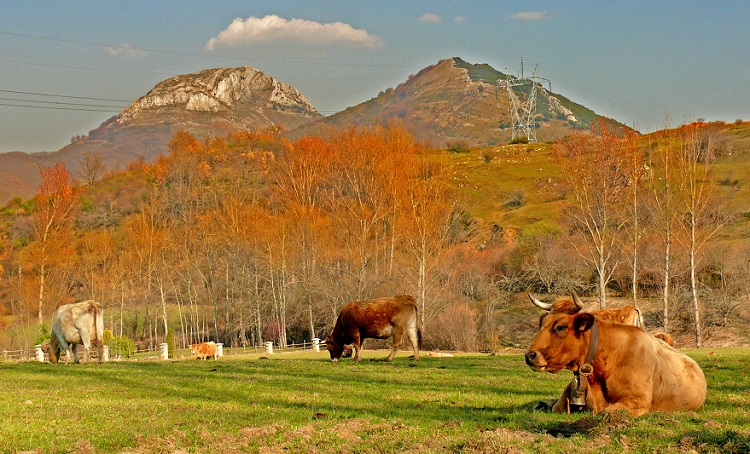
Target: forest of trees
pixel 253 238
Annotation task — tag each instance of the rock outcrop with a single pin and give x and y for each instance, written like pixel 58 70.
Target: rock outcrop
pixel 244 97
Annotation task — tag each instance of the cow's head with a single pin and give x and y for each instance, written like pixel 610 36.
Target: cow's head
pixel 53 352
pixel 569 306
pixel 335 349
pixel 560 343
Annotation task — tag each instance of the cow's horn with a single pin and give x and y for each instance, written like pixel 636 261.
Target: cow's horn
pixel 540 304
pixel 577 300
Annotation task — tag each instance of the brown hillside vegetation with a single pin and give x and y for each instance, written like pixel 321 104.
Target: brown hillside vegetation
pixel 253 237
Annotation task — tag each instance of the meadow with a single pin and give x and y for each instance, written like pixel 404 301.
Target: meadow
pixel 300 402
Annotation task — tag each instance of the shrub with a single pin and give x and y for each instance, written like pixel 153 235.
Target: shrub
pixel 44 335
pixel 170 342
pixel 122 347
pixel 515 198
pixel 457 146
pixel 455 329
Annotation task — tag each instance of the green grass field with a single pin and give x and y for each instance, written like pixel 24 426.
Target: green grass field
pixel 303 403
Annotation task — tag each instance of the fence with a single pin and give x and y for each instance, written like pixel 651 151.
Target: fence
pixel 162 352
pixel 18 355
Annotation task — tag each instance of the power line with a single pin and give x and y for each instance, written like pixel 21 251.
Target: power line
pixel 65 96
pixel 52 65
pixel 39 101
pixel 58 108
pixel 194 54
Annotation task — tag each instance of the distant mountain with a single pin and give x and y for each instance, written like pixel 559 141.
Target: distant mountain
pixel 214 101
pixel 444 103
pixel 455 100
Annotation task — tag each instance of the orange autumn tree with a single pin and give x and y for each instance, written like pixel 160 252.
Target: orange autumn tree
pixel 56 205
pixel 301 175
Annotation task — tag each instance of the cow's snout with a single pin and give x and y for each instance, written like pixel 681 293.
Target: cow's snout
pixel 535 360
pixel 334 360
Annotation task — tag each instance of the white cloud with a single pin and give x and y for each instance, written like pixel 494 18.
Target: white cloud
pixel 430 18
pixel 459 19
pixel 275 29
pixel 126 51
pixel 531 15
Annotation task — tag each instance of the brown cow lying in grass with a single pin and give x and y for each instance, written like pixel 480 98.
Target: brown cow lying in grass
pixel 380 318
pixel 626 315
pixel 621 367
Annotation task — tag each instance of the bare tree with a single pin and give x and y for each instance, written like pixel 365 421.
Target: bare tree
pixel 56 204
pixel 702 218
pixel 594 166
pixel 92 167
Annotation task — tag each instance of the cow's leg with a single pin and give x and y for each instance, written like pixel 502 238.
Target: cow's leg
pixel 87 351
pixel 413 338
pixel 73 348
pixel 398 335
pixel 563 403
pixel 595 400
pixel 65 346
pixel 357 347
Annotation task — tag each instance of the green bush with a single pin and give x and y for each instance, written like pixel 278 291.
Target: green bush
pixel 44 335
pixel 170 342
pixel 122 346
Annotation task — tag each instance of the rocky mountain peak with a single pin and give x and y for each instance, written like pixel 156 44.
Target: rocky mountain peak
pixel 221 90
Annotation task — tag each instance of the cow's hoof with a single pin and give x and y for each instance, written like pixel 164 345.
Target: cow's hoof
pixel 544 405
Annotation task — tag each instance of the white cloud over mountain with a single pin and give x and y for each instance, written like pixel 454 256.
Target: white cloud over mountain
pixel 274 29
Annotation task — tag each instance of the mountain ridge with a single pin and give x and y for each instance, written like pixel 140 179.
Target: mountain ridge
pixel 447 102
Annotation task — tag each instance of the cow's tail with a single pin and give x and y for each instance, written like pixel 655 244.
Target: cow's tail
pixel 419 325
pixel 96 310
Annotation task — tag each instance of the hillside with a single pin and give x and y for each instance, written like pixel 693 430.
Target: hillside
pixel 218 210
pixel 455 101
pixel 518 186
pixel 450 102
pixel 211 102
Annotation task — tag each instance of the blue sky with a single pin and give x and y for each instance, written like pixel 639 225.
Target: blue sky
pixel 67 66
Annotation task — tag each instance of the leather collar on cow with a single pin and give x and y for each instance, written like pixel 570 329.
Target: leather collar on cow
pixel 587 368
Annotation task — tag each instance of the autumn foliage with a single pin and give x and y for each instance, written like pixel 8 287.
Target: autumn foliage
pixel 254 237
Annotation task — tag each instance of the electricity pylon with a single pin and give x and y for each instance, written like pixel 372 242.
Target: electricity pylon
pixel 523 114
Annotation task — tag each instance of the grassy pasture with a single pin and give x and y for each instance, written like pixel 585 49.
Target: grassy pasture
pixel 302 403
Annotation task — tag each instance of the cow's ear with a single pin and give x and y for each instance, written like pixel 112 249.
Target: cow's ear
pixel 328 339
pixel 583 322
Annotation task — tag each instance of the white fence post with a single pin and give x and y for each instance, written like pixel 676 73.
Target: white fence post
pixel 316 344
pixel 219 349
pixel 39 353
pixel 105 353
pixel 269 347
pixel 164 350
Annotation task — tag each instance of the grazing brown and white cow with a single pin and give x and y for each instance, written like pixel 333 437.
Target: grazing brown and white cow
pixel 621 367
pixel 380 318
pixel 76 324
pixel 204 350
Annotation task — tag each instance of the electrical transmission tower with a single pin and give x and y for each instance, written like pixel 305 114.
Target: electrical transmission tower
pixel 523 114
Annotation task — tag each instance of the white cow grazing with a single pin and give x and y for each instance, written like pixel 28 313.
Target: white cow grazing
pixel 76 324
